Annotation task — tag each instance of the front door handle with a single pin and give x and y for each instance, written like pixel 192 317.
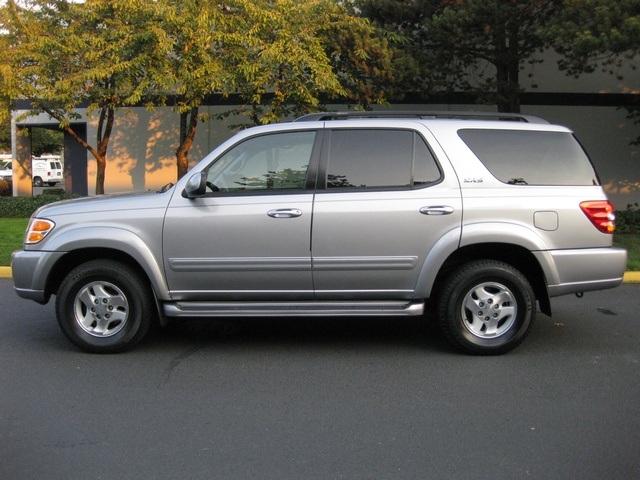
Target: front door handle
pixel 437 210
pixel 285 213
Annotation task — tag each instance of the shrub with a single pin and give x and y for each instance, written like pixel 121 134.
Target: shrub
pixel 53 191
pixel 628 221
pixel 6 188
pixel 23 207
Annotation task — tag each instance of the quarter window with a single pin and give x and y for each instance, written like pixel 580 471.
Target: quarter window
pixel 523 157
pixel 377 158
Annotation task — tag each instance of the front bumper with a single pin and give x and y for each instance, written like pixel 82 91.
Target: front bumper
pixel 30 271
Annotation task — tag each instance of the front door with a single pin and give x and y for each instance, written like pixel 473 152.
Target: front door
pixel 248 237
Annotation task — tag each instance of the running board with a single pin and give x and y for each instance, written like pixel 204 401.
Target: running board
pixel 293 309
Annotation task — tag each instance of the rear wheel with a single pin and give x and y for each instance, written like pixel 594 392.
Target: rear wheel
pixel 104 306
pixel 37 182
pixel 486 307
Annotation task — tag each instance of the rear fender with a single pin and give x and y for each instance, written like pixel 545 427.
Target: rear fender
pixel 440 252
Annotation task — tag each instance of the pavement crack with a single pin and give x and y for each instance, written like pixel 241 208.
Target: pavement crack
pixel 178 359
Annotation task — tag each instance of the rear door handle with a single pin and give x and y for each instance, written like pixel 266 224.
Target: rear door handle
pixel 285 213
pixel 437 210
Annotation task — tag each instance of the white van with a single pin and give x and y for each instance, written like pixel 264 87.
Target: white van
pixel 46 169
pixel 6 167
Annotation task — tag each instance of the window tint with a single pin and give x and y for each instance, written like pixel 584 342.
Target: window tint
pixel 268 162
pixel 425 168
pixel 379 158
pixel 531 158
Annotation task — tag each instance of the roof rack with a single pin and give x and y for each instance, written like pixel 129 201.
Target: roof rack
pixel 421 114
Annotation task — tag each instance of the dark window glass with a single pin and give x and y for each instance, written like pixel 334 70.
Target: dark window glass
pixel 531 157
pixel 379 158
pixel 425 168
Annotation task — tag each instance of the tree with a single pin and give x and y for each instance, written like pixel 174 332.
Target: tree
pixel 598 34
pixel 45 140
pixel 470 45
pixel 62 55
pixel 592 34
pixel 279 56
pixel 290 56
pixel 192 64
pixel 5 136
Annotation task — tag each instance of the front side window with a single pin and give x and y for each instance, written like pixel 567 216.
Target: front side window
pixel 379 158
pixel 276 161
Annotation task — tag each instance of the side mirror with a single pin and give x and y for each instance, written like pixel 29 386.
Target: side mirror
pixel 196 186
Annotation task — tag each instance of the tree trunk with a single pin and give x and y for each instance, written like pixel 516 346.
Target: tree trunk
pixel 507 91
pixel 508 70
pixel 100 154
pixel 188 126
pixel 105 126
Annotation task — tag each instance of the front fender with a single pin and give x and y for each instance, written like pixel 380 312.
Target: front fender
pixel 122 240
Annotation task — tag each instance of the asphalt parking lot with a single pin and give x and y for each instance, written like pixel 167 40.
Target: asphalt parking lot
pixel 324 399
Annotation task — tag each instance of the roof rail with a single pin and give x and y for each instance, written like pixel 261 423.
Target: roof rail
pixel 421 114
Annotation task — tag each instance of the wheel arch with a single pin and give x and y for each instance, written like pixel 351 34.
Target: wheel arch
pixel 515 255
pixel 72 259
pixel 91 243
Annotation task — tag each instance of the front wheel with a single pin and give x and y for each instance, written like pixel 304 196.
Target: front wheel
pixel 104 306
pixel 486 307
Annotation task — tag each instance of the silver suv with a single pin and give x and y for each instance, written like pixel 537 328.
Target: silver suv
pixel 485 217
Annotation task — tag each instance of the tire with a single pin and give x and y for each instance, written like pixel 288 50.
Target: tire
pixel 52 184
pixel 37 182
pixel 104 306
pixel 486 307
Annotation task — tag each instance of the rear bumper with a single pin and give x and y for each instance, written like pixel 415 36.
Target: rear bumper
pixel 582 270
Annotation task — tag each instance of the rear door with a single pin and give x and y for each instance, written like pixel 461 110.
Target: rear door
pixel 55 171
pixel 386 196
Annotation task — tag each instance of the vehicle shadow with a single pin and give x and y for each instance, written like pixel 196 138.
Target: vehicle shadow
pixel 301 332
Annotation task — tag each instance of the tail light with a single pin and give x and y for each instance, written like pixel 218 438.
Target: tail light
pixel 600 212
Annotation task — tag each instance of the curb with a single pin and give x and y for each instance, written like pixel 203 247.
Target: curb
pixel 629 277
pixel 5 272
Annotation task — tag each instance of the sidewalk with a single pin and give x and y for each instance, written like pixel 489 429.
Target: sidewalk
pixel 629 277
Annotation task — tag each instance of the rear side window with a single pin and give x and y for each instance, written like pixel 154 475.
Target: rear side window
pixel 379 158
pixel 531 157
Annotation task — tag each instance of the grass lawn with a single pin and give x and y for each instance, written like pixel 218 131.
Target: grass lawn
pixel 632 244
pixel 12 232
pixel 11 236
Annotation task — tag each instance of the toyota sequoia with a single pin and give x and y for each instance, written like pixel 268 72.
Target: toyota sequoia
pixel 483 217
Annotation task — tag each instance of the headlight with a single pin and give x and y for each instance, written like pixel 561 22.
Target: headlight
pixel 38 229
